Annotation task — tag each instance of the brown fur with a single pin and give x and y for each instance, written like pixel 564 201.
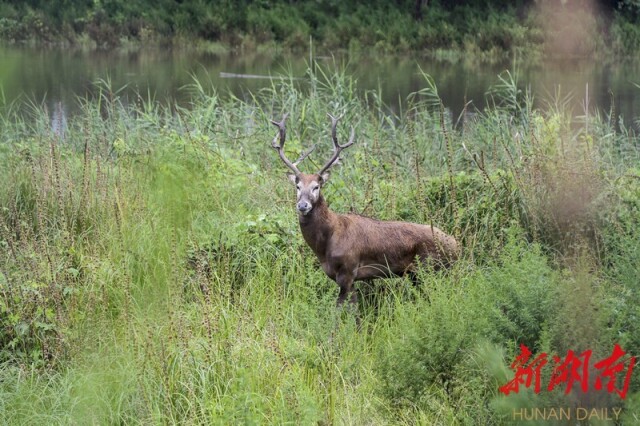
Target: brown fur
pixel 352 247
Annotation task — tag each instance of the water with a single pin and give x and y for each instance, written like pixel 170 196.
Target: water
pixel 57 77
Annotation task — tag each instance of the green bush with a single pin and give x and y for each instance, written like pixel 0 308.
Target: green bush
pixel 622 262
pixel 483 209
pixel 488 30
pixel 279 23
pixel 625 35
pixel 431 342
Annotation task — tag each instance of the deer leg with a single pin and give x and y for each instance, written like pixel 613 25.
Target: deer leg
pixel 353 300
pixel 345 290
pixel 345 282
pixel 414 278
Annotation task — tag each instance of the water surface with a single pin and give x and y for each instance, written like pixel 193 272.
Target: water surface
pixel 57 77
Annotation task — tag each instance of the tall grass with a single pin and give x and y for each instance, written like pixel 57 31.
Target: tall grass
pixel 152 268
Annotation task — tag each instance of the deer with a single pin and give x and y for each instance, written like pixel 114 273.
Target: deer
pixel 352 247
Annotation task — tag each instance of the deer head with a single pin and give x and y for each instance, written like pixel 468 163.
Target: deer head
pixel 308 185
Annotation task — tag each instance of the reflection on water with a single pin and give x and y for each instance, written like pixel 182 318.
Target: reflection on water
pixel 57 77
pixel 59 119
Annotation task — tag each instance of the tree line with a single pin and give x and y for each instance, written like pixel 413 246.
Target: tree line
pixel 398 24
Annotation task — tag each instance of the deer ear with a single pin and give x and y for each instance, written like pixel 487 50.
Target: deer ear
pixel 324 178
pixel 293 178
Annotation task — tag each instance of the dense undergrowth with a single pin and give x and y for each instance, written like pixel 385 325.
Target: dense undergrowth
pixel 152 270
pixel 486 29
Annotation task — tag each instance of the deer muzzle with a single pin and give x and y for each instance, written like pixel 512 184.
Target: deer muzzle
pixel 304 207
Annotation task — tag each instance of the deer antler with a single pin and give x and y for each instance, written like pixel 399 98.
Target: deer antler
pixel 282 135
pixel 337 148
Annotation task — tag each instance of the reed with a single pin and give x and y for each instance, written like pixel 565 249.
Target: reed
pixel 152 270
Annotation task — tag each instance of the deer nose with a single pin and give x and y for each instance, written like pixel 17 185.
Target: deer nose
pixel 304 207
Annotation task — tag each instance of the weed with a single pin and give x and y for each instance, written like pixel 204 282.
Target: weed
pixel 152 270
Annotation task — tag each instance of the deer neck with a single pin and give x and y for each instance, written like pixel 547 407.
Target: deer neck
pixel 318 226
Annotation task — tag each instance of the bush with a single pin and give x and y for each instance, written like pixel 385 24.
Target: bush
pixel 430 343
pixel 280 23
pixel 622 261
pixel 485 206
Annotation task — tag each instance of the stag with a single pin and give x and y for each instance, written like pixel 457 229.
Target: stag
pixel 351 247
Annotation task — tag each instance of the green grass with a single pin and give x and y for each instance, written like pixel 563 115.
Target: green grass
pixel 152 270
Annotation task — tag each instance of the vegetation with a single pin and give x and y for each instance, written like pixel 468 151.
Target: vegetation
pixel 152 269
pixel 487 28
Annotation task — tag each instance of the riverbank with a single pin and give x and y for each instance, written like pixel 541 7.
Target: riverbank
pixel 490 30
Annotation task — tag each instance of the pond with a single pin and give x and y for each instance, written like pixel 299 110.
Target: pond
pixel 57 77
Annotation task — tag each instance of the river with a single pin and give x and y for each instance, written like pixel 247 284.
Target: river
pixel 58 76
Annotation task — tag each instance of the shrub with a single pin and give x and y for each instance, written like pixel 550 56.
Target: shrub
pixel 431 342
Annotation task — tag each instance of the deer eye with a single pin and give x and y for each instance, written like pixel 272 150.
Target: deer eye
pixel 298 187
pixel 315 188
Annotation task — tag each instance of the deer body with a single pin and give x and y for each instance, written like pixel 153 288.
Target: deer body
pixel 351 247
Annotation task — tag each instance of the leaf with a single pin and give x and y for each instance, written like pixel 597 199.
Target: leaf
pixel 44 326
pixel 21 328
pixel 50 314
pixel 272 238
pixel 73 272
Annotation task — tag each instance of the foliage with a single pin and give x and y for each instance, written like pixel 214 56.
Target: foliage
pixel 152 270
pixel 434 340
pixel 625 35
pixel 485 28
